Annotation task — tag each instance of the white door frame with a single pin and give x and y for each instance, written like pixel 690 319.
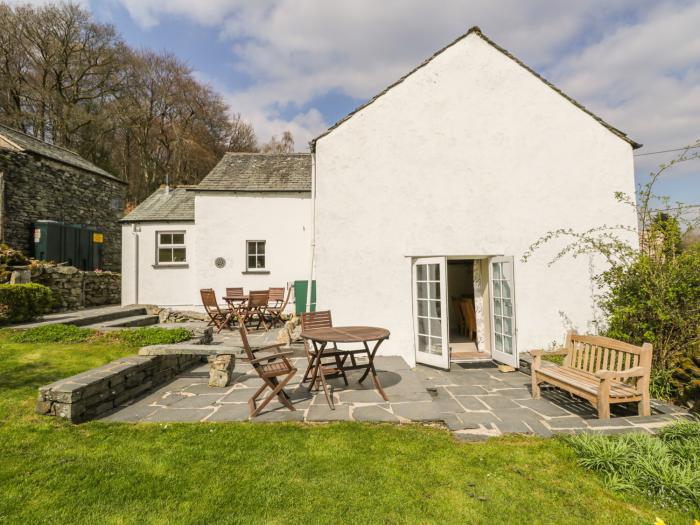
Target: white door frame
pixel 504 346
pixel 430 312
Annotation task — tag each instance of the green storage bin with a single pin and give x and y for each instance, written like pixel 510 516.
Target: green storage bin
pixel 300 290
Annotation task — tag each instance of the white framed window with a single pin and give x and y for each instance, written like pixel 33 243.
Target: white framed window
pixel 255 255
pixel 170 248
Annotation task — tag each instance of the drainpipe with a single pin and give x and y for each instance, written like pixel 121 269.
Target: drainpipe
pixel 135 229
pixel 313 228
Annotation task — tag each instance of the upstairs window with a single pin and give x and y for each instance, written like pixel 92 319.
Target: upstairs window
pixel 255 255
pixel 171 248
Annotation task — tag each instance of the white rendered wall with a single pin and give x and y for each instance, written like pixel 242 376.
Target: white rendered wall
pixel 225 221
pixel 471 155
pixel 172 286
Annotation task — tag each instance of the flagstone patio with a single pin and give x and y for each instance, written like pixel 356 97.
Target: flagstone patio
pixel 474 402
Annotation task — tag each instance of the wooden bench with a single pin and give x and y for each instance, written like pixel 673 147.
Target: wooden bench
pixel 600 370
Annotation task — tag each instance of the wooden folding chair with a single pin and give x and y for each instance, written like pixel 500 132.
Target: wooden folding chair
pixel 235 293
pixel 270 368
pixel 323 319
pixel 275 312
pixel 466 306
pixel 217 317
pixel 276 297
pixel 256 307
pixel 235 298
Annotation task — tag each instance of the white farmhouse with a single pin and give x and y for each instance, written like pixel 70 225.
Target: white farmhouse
pixel 431 192
pixel 245 224
pixel 420 200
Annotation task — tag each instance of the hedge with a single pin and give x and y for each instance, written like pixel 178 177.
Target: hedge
pixel 23 302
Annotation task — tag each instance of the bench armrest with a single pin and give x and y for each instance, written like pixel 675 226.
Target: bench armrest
pixel 270 357
pixel 637 371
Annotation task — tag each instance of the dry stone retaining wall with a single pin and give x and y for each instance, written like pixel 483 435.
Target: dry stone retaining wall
pixel 93 393
pixel 75 289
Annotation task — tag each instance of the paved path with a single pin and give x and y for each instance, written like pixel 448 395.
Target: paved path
pixel 474 403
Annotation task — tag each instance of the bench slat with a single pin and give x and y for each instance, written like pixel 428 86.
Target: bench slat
pixel 587 383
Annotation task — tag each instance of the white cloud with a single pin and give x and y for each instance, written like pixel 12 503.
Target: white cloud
pixel 635 63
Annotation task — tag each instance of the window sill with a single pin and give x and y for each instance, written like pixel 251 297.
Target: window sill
pixel 256 271
pixel 159 266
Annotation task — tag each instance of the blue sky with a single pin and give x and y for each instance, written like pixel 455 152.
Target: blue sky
pixel 300 65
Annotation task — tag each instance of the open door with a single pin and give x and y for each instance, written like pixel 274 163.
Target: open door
pixel 503 333
pixel 430 319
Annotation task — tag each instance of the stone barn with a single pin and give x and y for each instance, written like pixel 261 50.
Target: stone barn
pixel 40 181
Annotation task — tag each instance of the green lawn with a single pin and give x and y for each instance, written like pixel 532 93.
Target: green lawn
pixel 55 472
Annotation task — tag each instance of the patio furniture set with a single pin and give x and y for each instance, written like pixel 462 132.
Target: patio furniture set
pixel 318 333
pixel 262 306
pixel 600 370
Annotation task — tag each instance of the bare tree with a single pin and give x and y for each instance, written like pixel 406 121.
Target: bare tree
pixel 141 115
pixel 286 145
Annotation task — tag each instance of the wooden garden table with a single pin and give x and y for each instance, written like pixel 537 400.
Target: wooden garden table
pixel 320 337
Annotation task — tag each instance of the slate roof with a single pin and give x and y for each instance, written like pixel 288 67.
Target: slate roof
pixel 260 172
pixel 176 205
pixel 475 30
pixel 45 149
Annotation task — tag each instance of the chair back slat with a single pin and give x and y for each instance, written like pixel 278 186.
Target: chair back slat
pixel 276 294
pixel 235 293
pixel 258 298
pixel 320 319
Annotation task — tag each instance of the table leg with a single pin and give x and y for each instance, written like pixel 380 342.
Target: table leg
pixel 315 362
pixel 318 371
pixel 370 368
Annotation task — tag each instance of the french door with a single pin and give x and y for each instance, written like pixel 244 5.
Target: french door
pixel 430 318
pixel 503 332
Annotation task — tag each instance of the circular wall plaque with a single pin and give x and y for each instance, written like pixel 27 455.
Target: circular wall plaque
pixel 219 262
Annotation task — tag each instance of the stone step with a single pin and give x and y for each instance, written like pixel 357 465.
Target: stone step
pixel 128 322
pixel 108 317
pixel 87 316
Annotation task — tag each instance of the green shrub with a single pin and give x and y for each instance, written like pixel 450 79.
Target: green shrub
pixel 661 384
pixel 138 337
pixel 23 302
pixel 54 333
pixel 664 468
pixel 686 380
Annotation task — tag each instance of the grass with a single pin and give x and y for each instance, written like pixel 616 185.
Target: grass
pixel 55 472
pixel 664 468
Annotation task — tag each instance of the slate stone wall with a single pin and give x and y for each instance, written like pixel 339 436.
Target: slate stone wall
pixel 36 188
pixel 93 393
pixel 74 289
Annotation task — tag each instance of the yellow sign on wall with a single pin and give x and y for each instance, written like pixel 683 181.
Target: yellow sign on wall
pixel 98 238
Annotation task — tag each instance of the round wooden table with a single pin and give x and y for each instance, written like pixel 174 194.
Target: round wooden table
pixel 321 337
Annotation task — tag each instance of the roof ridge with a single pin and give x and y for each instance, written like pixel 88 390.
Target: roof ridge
pixel 52 144
pixel 477 31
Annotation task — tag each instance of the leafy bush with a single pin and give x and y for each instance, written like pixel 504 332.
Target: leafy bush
pixel 23 302
pixel 686 380
pixel 54 333
pixel 656 299
pixel 661 385
pixel 138 337
pixel 664 468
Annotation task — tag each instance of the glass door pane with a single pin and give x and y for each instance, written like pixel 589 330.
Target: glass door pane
pixel 430 313
pixel 502 311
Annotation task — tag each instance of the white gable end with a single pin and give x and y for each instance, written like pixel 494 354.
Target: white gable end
pixel 470 155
